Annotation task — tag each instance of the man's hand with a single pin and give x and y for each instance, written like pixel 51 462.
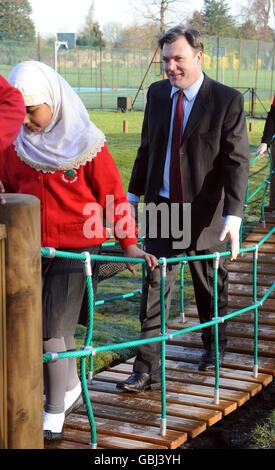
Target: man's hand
pixel 232 233
pixel 132 251
pixel 261 149
pixel 2 190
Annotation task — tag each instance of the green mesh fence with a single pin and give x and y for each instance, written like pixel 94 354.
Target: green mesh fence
pixel 101 76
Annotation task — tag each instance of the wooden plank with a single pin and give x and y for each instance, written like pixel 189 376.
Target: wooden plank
pixel 236 329
pixel 191 426
pixel 192 389
pixel 248 268
pixel 63 444
pixel 231 360
pixel 225 406
pixel 235 302
pixel 253 238
pixel 134 402
pixel 108 442
pixel 265 317
pixel 198 377
pixel 146 433
pixel 246 376
pixel 264 258
pixel 247 278
pixel 243 290
pixel 240 345
pixel 265 248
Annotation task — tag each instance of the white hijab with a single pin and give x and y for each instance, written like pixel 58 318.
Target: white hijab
pixel 71 139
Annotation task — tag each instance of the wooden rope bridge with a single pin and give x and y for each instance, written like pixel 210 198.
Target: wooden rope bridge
pixel 131 421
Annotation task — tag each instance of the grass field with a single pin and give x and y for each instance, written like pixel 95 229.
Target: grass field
pixel 118 321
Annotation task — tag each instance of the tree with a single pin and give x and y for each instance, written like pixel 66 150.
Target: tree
pixel 196 22
pixel 248 30
pixel 216 19
pixel 15 21
pixel 260 13
pixel 112 32
pixel 159 11
pixel 90 34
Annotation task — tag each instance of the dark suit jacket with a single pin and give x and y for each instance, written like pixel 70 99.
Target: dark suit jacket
pixel 214 156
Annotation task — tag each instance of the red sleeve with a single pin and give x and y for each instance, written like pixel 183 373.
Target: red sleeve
pixel 273 102
pixel 107 186
pixel 12 113
pixel 6 160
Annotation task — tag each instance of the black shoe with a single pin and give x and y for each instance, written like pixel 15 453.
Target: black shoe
pixel 50 436
pixel 138 382
pixel 207 360
pixel 75 405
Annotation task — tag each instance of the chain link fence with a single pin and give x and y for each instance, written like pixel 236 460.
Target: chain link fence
pixel 111 78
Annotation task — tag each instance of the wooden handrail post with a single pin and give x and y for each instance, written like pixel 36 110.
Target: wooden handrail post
pixel 21 215
pixel 3 346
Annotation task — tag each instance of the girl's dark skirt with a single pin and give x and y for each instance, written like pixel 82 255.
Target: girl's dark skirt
pixel 64 298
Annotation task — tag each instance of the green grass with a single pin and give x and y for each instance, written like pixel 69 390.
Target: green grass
pixel 264 434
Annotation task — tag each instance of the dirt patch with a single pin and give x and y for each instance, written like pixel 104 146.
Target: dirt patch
pixel 234 431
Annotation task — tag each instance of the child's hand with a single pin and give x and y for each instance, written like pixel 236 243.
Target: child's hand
pixel 2 190
pixel 133 251
pixel 261 149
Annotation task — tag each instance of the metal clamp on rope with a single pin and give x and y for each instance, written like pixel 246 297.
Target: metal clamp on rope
pixel 221 319
pixel 87 264
pixel 54 356
pixel 256 251
pixel 267 181
pixel 52 252
pixel 163 266
pixel 216 262
pixel 88 348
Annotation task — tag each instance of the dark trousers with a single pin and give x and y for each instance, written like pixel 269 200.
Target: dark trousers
pixel 148 356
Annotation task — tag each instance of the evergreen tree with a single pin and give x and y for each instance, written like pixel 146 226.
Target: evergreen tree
pixel 15 21
pixel 216 18
pixel 91 34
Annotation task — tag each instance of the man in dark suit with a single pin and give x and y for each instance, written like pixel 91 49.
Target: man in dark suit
pixel 210 173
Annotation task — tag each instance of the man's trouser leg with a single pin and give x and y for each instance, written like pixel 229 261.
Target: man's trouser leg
pixel 202 275
pixel 148 356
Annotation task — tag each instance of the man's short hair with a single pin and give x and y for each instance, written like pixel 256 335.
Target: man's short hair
pixel 192 36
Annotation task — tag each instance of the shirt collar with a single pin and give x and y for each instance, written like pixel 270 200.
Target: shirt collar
pixel 191 91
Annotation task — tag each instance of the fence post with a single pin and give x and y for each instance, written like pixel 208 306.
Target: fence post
pixel 253 102
pixel 21 215
pixel 3 347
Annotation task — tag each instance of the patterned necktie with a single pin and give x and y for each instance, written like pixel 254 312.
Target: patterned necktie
pixel 176 194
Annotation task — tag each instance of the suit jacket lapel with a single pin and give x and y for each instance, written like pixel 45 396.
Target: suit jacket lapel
pixel 200 106
pixel 166 105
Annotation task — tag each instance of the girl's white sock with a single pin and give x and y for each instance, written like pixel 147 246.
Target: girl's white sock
pixel 53 421
pixel 72 395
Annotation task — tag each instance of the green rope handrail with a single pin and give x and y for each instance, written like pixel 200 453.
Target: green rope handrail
pixel 88 351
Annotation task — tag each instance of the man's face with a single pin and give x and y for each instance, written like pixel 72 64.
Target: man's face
pixel 182 63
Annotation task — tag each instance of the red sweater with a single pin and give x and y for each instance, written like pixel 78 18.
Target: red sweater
pixel 67 218
pixel 12 113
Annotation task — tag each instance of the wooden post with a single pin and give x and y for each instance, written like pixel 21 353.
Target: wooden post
pixel 125 127
pixel 21 215
pixel 3 351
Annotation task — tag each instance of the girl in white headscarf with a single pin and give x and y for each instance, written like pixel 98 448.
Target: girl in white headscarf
pixel 61 157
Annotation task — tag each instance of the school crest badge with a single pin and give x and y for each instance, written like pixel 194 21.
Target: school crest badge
pixel 69 176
